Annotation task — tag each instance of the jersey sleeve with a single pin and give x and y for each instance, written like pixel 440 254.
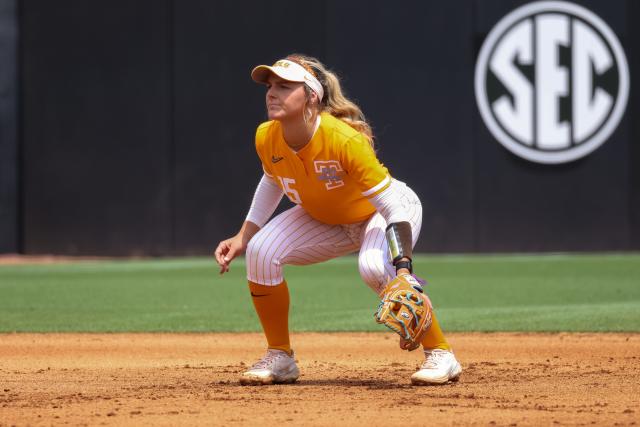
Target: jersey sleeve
pixel 363 166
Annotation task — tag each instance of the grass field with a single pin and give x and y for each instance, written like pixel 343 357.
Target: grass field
pixel 470 293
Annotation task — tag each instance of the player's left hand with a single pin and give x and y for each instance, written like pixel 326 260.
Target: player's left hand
pixel 406 310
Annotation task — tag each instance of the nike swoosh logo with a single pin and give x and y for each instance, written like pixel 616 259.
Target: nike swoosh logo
pixel 256 295
pixel 275 159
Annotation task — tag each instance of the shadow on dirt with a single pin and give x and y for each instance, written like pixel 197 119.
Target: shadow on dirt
pixel 351 382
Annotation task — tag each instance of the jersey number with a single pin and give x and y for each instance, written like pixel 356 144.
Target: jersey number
pixel 291 193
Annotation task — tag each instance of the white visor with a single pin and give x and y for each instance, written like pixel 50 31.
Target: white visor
pixel 290 71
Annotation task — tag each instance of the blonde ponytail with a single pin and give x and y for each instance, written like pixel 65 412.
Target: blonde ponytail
pixel 334 101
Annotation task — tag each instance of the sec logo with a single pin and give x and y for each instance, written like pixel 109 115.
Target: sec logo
pixel 551 82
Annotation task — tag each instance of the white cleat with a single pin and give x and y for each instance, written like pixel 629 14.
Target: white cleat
pixel 276 367
pixel 440 367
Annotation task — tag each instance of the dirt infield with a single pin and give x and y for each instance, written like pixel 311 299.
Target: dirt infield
pixel 347 379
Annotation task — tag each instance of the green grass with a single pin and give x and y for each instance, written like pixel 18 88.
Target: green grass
pixel 470 293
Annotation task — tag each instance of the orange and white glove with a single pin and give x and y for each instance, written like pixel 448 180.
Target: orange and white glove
pixel 406 310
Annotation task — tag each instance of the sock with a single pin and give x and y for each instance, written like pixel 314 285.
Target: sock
pixel 434 337
pixel 272 306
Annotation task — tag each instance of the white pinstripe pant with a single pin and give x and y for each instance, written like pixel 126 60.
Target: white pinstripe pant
pixel 295 238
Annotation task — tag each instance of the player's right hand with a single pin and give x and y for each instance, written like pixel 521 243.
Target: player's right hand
pixel 235 246
pixel 226 251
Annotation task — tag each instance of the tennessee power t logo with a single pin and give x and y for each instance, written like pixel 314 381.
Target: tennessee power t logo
pixel 551 81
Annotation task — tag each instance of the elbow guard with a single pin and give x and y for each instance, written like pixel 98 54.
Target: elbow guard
pixel 400 241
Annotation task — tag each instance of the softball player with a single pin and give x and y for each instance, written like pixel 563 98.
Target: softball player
pixel 317 149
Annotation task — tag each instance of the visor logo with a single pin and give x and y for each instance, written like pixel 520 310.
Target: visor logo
pixel 551 82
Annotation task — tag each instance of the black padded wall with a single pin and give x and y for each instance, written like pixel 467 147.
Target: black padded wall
pixel 9 214
pixel 96 127
pixel 582 205
pixel 138 121
pixel 633 49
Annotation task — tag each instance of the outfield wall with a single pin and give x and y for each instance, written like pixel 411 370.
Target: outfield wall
pixel 8 127
pixel 137 123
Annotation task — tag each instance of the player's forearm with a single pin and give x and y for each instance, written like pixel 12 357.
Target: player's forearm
pixel 247 231
pixel 398 233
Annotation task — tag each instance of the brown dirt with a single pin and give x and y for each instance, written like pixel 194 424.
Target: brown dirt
pixel 347 379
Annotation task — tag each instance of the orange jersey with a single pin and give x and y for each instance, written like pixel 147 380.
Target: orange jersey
pixel 330 177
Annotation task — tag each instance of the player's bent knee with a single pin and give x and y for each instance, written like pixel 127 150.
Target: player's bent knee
pixel 250 252
pixel 263 267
